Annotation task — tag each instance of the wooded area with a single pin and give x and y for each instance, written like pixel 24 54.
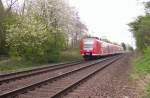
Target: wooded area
pixel 38 30
pixel 141 30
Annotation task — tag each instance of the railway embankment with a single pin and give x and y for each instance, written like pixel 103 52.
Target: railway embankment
pixel 8 64
pixel 141 73
pixel 61 80
pixel 114 77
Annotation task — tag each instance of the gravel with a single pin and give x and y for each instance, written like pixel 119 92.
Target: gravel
pixel 112 82
pixel 12 85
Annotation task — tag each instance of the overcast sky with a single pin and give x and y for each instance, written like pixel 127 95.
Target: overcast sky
pixel 109 18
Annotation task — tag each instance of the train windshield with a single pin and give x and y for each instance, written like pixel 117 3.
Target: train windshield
pixel 88 44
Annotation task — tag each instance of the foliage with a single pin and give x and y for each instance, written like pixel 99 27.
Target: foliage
pixel 6 18
pixel 58 14
pixel 32 40
pixel 124 46
pixel 141 29
pixel 141 69
pixel 37 30
pixel 130 48
pixel 142 64
pixel 147 51
pixel 147 7
pixel 14 64
pixel 147 89
pixel 70 55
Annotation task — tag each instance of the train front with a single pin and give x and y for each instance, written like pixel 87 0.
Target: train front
pixel 86 47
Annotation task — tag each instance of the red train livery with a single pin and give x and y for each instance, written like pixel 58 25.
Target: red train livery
pixel 93 47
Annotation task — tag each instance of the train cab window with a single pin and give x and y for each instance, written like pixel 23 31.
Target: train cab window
pixel 88 46
pixel 88 43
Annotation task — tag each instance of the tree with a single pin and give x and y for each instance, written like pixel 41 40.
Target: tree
pixel 59 15
pixel 6 18
pixel 1 8
pixel 124 46
pixel 141 31
pixel 129 48
pixel 37 30
pixel 1 28
pixel 41 30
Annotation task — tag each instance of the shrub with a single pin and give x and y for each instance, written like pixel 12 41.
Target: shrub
pixel 32 40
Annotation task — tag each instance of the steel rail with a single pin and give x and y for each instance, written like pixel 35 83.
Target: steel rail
pixel 29 87
pixel 38 71
pixel 34 69
pixel 73 85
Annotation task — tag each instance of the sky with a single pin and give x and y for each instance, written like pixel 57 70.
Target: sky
pixel 109 18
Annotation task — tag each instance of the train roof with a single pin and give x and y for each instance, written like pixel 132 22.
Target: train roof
pixel 104 42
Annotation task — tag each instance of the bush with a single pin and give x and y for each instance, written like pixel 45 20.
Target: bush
pixel 147 51
pixel 70 55
pixel 32 40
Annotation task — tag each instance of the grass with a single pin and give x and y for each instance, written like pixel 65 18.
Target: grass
pixel 8 64
pixel 141 69
pixel 70 55
pixel 142 64
pixel 14 64
pixel 147 89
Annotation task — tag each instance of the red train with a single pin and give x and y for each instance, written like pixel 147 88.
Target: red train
pixel 93 47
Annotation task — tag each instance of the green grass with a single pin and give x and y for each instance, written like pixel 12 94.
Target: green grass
pixel 70 55
pixel 8 64
pixel 142 64
pixel 142 68
pixel 14 64
pixel 147 89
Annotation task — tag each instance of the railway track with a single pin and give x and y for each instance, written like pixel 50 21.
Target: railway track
pixel 56 85
pixel 31 78
pixel 26 73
